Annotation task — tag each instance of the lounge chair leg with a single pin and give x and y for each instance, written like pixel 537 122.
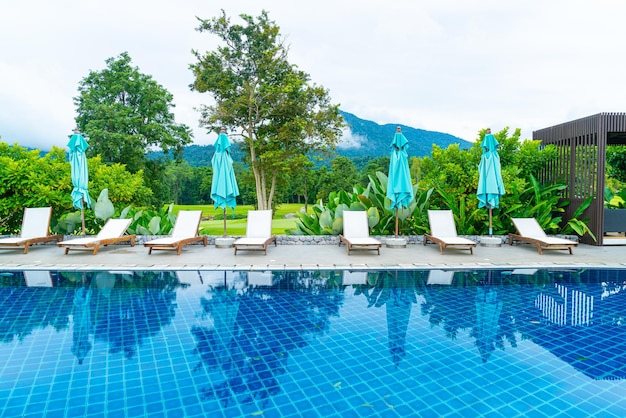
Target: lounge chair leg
pixel 26 249
pixel 149 250
pixel 570 250
pixel 67 250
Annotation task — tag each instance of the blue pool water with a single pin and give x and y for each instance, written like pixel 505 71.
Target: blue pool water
pixel 313 344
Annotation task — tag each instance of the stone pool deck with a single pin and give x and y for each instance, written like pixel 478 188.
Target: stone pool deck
pixel 309 257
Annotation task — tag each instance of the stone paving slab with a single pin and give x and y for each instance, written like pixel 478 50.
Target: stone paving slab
pixel 310 257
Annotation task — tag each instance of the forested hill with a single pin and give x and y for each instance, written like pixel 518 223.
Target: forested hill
pixel 362 140
pixel 371 139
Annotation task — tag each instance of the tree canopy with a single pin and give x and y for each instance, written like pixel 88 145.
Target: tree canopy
pixel 280 116
pixel 125 113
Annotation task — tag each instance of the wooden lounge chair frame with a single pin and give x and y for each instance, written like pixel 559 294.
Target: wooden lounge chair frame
pixel 258 232
pixel 104 237
pixel 185 232
pixel 443 232
pixel 35 230
pixel 530 232
pixel 356 233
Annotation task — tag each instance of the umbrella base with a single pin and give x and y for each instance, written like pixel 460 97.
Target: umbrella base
pixel 396 242
pixel 224 242
pixel 491 241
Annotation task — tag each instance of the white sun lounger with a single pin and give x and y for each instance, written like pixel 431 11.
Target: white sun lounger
pixel 443 232
pixel 35 230
pixel 258 232
pixel 111 233
pixel 529 231
pixel 185 232
pixel 356 234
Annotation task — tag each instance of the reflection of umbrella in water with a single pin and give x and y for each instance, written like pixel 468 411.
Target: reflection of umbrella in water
pixel 81 324
pixel 224 189
pixel 399 187
pixel 105 282
pixel 488 309
pixel 224 310
pixel 398 313
pixel 490 185
pixel 80 175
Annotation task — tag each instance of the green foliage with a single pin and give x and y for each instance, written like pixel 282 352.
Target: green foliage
pixel 103 208
pixel 616 162
pixel 150 222
pixel 124 188
pixel 280 115
pixel 342 176
pixel 189 185
pixel 580 226
pixel 69 223
pixel 468 220
pixel 453 174
pixel 327 219
pixel 29 180
pixel 615 200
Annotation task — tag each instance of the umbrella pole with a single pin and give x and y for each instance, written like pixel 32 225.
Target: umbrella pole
pixel 396 222
pixel 224 222
pixel 490 224
pixel 82 213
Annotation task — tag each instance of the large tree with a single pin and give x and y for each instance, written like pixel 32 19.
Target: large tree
pixel 263 99
pixel 124 114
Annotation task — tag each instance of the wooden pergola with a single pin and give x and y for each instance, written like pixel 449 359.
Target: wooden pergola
pixel 582 145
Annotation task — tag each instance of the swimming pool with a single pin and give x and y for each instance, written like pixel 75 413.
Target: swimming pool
pixel 516 342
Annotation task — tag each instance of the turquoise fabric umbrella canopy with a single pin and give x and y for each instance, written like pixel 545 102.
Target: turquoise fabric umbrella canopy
pixel 399 186
pixel 224 189
pixel 80 175
pixel 490 185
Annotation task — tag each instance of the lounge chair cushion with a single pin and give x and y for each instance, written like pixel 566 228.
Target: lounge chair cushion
pixel 112 232
pixel 443 232
pixel 258 232
pixel 185 232
pixel 35 229
pixel 530 231
pixel 356 234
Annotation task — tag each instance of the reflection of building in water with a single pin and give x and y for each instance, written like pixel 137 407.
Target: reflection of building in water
pixel 562 306
pixel 583 326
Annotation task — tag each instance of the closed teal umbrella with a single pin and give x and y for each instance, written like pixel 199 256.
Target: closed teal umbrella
pixel 399 186
pixel 224 189
pixel 79 173
pixel 490 185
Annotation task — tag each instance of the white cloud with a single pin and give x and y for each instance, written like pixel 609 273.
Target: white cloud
pixel 350 140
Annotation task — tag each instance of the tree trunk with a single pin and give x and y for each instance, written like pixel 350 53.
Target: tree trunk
pixel 258 173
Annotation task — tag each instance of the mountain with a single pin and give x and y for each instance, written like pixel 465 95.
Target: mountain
pixel 367 138
pixel 362 140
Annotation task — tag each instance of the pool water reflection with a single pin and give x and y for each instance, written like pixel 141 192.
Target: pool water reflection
pixel 518 342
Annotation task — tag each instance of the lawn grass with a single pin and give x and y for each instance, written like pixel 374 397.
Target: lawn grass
pixel 238 226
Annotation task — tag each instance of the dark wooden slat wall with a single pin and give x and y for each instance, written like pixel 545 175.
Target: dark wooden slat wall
pixel 581 146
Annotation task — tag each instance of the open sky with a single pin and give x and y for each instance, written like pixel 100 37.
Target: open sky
pixel 452 66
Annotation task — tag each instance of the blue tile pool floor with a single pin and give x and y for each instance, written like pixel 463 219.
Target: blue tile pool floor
pixel 313 344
